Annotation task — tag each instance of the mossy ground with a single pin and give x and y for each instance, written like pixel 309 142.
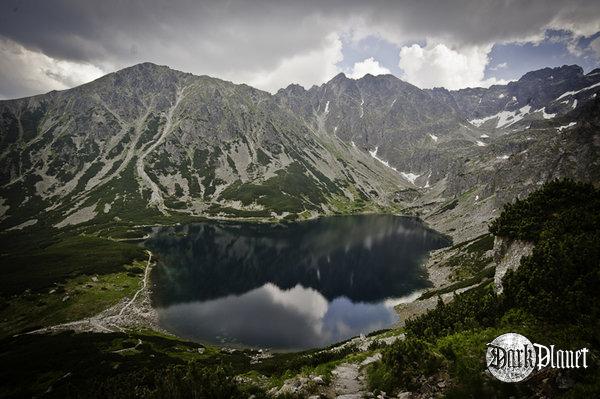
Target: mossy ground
pixel 73 299
pixel 471 264
pixel 73 364
pixel 552 299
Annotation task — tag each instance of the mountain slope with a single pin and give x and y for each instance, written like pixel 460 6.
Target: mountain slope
pixel 537 95
pixel 148 144
pixel 150 137
pixel 392 120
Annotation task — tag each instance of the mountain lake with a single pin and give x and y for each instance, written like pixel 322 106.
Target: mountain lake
pixel 287 286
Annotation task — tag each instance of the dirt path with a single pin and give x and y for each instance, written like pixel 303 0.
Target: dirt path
pixel 136 312
pixel 144 285
pixel 349 380
pixel 348 383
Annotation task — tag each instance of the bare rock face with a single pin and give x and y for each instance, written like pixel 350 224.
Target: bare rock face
pixel 149 142
pixel 154 141
pixel 536 89
pixel 508 255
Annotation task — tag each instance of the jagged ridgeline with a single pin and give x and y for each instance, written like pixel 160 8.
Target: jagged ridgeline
pixel 148 141
pixel 149 144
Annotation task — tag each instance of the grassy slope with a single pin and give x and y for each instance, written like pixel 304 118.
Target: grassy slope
pixel 51 277
pixel 552 299
pixel 40 268
pixel 471 264
pixel 445 344
pixel 149 364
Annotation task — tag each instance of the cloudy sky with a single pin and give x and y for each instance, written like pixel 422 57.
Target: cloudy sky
pixel 54 44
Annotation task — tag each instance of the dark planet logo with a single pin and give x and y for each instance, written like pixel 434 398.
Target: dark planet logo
pixel 511 357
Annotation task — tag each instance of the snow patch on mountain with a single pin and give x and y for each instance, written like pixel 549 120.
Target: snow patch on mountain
pixel 427 182
pixel 572 93
pixel 561 128
pixel 546 115
pixel 411 177
pixel 386 163
pixel 481 121
pixel 505 118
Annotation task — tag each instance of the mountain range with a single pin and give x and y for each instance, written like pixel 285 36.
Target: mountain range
pixel 148 144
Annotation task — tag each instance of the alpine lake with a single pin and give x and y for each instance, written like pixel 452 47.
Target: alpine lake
pixel 288 286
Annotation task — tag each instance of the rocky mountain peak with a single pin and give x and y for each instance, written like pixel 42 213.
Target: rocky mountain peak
pixel 293 89
pixel 558 73
pixel 534 96
pixel 339 77
pixel 594 72
pixel 153 138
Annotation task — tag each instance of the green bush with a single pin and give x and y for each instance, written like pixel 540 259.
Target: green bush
pixel 478 307
pixel 404 362
pixel 559 207
pixel 552 297
pixel 174 382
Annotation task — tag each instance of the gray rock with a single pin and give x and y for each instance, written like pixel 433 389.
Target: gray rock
pixel 149 136
pixel 318 380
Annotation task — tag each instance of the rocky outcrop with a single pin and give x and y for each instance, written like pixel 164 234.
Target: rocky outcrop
pixel 151 137
pixel 149 142
pixel 536 89
pixel 508 254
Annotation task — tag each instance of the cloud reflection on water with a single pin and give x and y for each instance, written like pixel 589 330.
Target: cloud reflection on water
pixel 288 286
pixel 281 319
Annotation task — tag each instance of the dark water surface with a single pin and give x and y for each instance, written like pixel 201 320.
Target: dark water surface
pixel 287 286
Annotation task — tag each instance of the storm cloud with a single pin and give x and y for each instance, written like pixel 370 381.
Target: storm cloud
pixel 56 44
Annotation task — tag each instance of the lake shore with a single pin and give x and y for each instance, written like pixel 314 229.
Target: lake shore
pixel 130 313
pixel 137 312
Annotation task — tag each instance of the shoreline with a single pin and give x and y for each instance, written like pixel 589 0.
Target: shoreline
pixel 137 312
pixel 128 313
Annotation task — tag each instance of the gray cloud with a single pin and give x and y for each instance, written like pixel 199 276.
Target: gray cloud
pixel 595 47
pixel 265 41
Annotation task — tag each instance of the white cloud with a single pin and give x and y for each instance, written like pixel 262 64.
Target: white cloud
pixel 26 72
pixel 595 47
pixel 368 65
pixel 312 67
pixel 502 65
pixel 264 42
pixel 437 65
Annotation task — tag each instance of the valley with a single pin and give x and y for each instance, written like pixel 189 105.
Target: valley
pixel 90 177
